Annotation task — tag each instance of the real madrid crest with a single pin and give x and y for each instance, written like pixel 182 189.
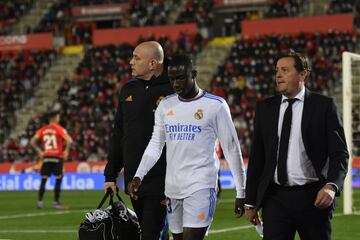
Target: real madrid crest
pixel 199 114
pixel 159 100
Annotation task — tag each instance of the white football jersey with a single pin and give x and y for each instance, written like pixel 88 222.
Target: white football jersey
pixel 190 129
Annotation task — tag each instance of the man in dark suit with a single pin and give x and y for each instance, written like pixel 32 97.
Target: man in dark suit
pixel 298 158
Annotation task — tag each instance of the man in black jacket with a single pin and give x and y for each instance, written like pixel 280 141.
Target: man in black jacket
pixel 132 131
pixel 298 160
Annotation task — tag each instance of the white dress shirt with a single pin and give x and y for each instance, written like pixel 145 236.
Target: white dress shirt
pixel 299 168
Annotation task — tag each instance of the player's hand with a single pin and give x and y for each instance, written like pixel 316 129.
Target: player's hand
pixel 239 207
pixel 325 197
pixel 40 154
pixel 66 155
pixel 111 185
pixel 133 187
pixel 252 216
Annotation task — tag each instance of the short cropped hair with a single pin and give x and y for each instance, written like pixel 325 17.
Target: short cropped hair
pixel 301 61
pixel 181 59
pixel 52 114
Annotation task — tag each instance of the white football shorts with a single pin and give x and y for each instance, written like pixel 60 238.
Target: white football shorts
pixel 195 211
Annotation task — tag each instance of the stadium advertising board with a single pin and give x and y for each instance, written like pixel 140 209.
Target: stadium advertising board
pixel 89 176
pixel 132 35
pixel 99 10
pixel 71 181
pixel 297 25
pixel 33 167
pixel 20 42
pixel 239 2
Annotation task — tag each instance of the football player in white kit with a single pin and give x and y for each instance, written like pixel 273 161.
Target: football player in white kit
pixel 189 122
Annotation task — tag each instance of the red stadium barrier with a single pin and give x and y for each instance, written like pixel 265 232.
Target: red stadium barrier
pixel 95 167
pixel 78 167
pixel 131 35
pixel 343 22
pixel 356 162
pixel 32 41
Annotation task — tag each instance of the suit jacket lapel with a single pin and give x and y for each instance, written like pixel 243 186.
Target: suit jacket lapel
pixel 274 116
pixel 274 109
pixel 308 110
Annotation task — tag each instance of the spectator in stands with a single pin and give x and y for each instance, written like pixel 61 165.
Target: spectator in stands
pixel 52 155
pixel 298 160
pixel 132 130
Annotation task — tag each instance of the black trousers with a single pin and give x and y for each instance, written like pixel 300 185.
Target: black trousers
pixel 151 212
pixel 290 209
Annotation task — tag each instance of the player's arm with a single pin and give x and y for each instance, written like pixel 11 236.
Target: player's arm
pixel 115 156
pixel 68 141
pixel 152 153
pixel 34 143
pixel 231 147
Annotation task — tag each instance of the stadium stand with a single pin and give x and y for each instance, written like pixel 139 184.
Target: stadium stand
pixel 20 75
pixel 286 8
pixel 340 6
pixel 11 11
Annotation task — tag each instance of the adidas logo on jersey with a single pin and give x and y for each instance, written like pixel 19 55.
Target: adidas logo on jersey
pixel 170 113
pixel 129 99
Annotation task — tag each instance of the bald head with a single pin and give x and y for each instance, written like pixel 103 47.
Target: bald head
pixel 147 60
pixel 153 49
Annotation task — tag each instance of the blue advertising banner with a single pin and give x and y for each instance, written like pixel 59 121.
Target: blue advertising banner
pixel 94 181
pixel 71 181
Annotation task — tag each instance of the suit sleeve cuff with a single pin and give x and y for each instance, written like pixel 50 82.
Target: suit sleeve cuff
pixel 334 186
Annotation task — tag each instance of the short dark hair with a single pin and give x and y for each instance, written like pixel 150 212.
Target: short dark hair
pixel 301 61
pixel 52 114
pixel 181 59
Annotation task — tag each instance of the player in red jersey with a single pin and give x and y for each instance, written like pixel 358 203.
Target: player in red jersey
pixel 52 153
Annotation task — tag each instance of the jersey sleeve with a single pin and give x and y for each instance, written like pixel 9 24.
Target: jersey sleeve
pixel 154 148
pixel 226 133
pixel 61 131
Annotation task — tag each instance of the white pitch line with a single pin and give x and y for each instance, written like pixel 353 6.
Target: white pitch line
pixel 75 231
pixel 37 231
pixel 39 214
pixel 230 229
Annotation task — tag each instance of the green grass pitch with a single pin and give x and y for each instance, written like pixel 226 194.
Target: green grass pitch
pixel 20 220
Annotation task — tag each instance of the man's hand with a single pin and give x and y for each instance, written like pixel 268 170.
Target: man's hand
pixel 239 207
pixel 133 187
pixel 111 185
pixel 325 196
pixel 40 154
pixel 252 216
pixel 66 155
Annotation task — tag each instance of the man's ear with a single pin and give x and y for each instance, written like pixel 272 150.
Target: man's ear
pixel 152 64
pixel 193 73
pixel 304 74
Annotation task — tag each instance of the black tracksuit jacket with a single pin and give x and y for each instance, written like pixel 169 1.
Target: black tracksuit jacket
pixel 132 130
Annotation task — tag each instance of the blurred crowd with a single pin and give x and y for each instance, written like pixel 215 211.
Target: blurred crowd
pixel 11 11
pixel 19 76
